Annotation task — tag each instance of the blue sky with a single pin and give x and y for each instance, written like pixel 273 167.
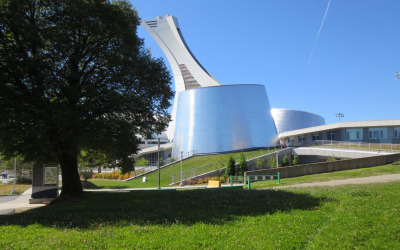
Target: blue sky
pixel 269 42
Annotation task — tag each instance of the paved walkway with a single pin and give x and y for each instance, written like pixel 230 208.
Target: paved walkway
pixel 20 203
pixel 351 181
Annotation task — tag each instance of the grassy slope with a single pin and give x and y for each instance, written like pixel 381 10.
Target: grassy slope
pixel 362 216
pixel 165 179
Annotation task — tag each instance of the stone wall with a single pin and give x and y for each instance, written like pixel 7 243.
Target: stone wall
pixel 324 167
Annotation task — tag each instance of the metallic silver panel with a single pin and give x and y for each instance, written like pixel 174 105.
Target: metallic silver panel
pixel 223 118
pixel 289 119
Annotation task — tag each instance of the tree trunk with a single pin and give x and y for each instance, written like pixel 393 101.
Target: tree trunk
pixel 71 183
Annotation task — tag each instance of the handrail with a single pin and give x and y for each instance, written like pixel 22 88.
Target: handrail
pixel 249 180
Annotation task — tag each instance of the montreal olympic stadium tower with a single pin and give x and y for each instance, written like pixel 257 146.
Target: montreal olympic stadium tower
pixel 208 117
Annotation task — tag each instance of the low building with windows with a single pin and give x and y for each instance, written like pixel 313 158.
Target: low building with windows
pixel 379 131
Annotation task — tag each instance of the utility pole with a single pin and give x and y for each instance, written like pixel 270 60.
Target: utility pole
pixel 15 174
pixel 181 184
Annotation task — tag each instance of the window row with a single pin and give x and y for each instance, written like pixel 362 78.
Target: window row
pixel 355 134
pixel 373 133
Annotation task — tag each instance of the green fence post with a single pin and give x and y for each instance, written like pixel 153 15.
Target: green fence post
pixel 248 183
pixel 279 178
pixel 231 181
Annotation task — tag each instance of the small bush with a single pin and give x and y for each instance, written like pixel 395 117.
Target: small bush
pixel 260 163
pixel 191 182
pixel 24 180
pixel 230 168
pixel 86 174
pixel 285 161
pixel 296 160
pixel 331 158
pixel 115 175
pixel 242 165
pixel 272 162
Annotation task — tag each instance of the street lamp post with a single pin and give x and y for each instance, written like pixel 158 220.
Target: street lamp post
pixel 338 115
pixel 181 184
pixel 15 174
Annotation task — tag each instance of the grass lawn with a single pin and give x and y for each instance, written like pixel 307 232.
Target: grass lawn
pixel 359 216
pixel 6 189
pixel 165 179
pixel 338 175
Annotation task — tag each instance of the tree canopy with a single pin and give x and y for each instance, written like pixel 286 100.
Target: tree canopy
pixel 75 76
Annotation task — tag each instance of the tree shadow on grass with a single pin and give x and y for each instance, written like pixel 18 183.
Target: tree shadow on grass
pixel 211 206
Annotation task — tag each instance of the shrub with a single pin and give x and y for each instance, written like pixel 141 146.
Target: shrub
pixel 230 168
pixel 285 161
pixel 200 181
pixel 24 180
pixel 242 165
pixel 331 158
pixel 86 174
pixel 143 162
pixel 296 160
pixel 215 178
pixel 191 182
pixel 272 162
pixel 260 163
pixel 161 161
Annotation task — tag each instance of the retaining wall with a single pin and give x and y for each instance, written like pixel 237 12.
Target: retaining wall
pixel 325 167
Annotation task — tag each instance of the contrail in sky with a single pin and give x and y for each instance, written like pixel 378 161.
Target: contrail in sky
pixel 319 31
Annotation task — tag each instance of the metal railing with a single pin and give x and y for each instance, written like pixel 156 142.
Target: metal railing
pixel 358 145
pixel 248 179
pixel 219 165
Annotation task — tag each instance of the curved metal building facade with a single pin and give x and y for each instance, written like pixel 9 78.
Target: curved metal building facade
pixel 289 119
pixel 223 118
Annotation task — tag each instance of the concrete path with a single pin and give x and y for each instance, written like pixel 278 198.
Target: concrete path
pixel 21 203
pixel 351 181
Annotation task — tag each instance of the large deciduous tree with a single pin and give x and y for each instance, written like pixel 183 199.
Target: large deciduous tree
pixel 75 76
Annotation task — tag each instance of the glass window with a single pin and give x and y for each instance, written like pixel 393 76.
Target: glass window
pixel 396 132
pixel 315 137
pixel 354 134
pixel 377 133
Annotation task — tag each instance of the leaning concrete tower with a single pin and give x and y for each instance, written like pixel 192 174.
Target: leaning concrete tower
pixel 188 72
